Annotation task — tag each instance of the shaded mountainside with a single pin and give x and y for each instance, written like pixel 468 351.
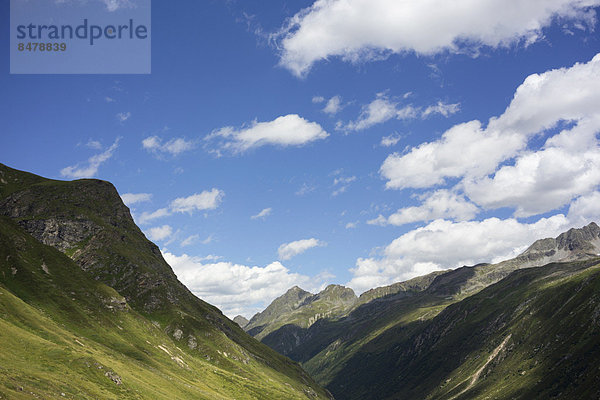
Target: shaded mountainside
pixel 241 321
pixel 534 334
pixel 88 305
pixel 356 353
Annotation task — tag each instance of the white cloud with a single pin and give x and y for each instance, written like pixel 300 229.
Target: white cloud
pixel 539 181
pixel 383 109
pixel 391 140
pixel 351 225
pixel 367 30
pixel 207 200
pixel 342 184
pixel 445 244
pixel 471 151
pixel 380 110
pixel 189 240
pixel 342 180
pixel 114 5
pixel 585 209
pixel 208 240
pixel 441 108
pixel 174 146
pixel 122 117
pixel 287 130
pixel 160 233
pixel 318 99
pixel 94 144
pixel 147 217
pixel 93 164
pixel 132 198
pixel 304 189
pixel 109 99
pixel 263 214
pixel 254 289
pixel 439 204
pixel 333 106
pixel 289 250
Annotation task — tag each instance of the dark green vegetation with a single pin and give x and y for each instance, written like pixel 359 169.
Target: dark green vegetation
pixel 89 309
pixel 521 329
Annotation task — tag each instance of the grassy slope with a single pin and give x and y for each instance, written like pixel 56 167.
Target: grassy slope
pixel 551 313
pixel 118 254
pixel 62 337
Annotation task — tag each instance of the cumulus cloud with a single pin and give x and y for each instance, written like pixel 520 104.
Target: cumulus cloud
pixel 445 244
pixel 234 288
pixel 173 146
pixel 160 233
pixel 207 200
pixel 471 151
pixel 284 131
pixel 439 204
pixel 133 198
pixel 539 181
pixel 263 214
pixel 366 30
pixel 333 106
pixel 292 249
pixel 585 209
pixel 93 164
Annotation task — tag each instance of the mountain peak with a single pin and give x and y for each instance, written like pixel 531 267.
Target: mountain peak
pixel 574 244
pixel 336 293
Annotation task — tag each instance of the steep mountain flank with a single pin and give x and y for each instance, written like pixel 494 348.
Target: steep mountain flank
pixel 75 265
pixel 338 351
pixel 534 334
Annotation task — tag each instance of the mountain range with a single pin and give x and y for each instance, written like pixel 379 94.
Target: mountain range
pixel 89 309
pixel 525 328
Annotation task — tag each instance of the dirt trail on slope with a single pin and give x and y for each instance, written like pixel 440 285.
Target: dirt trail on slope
pixel 476 375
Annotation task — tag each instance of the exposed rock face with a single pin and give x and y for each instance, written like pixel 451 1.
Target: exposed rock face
pixel 284 304
pixel 87 220
pixel 60 233
pixel 572 245
pixel 302 309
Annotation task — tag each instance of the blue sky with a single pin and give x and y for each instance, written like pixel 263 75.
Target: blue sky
pixel 298 143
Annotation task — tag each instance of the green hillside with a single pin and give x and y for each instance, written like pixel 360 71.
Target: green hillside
pixel 408 340
pixel 535 334
pixel 89 309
